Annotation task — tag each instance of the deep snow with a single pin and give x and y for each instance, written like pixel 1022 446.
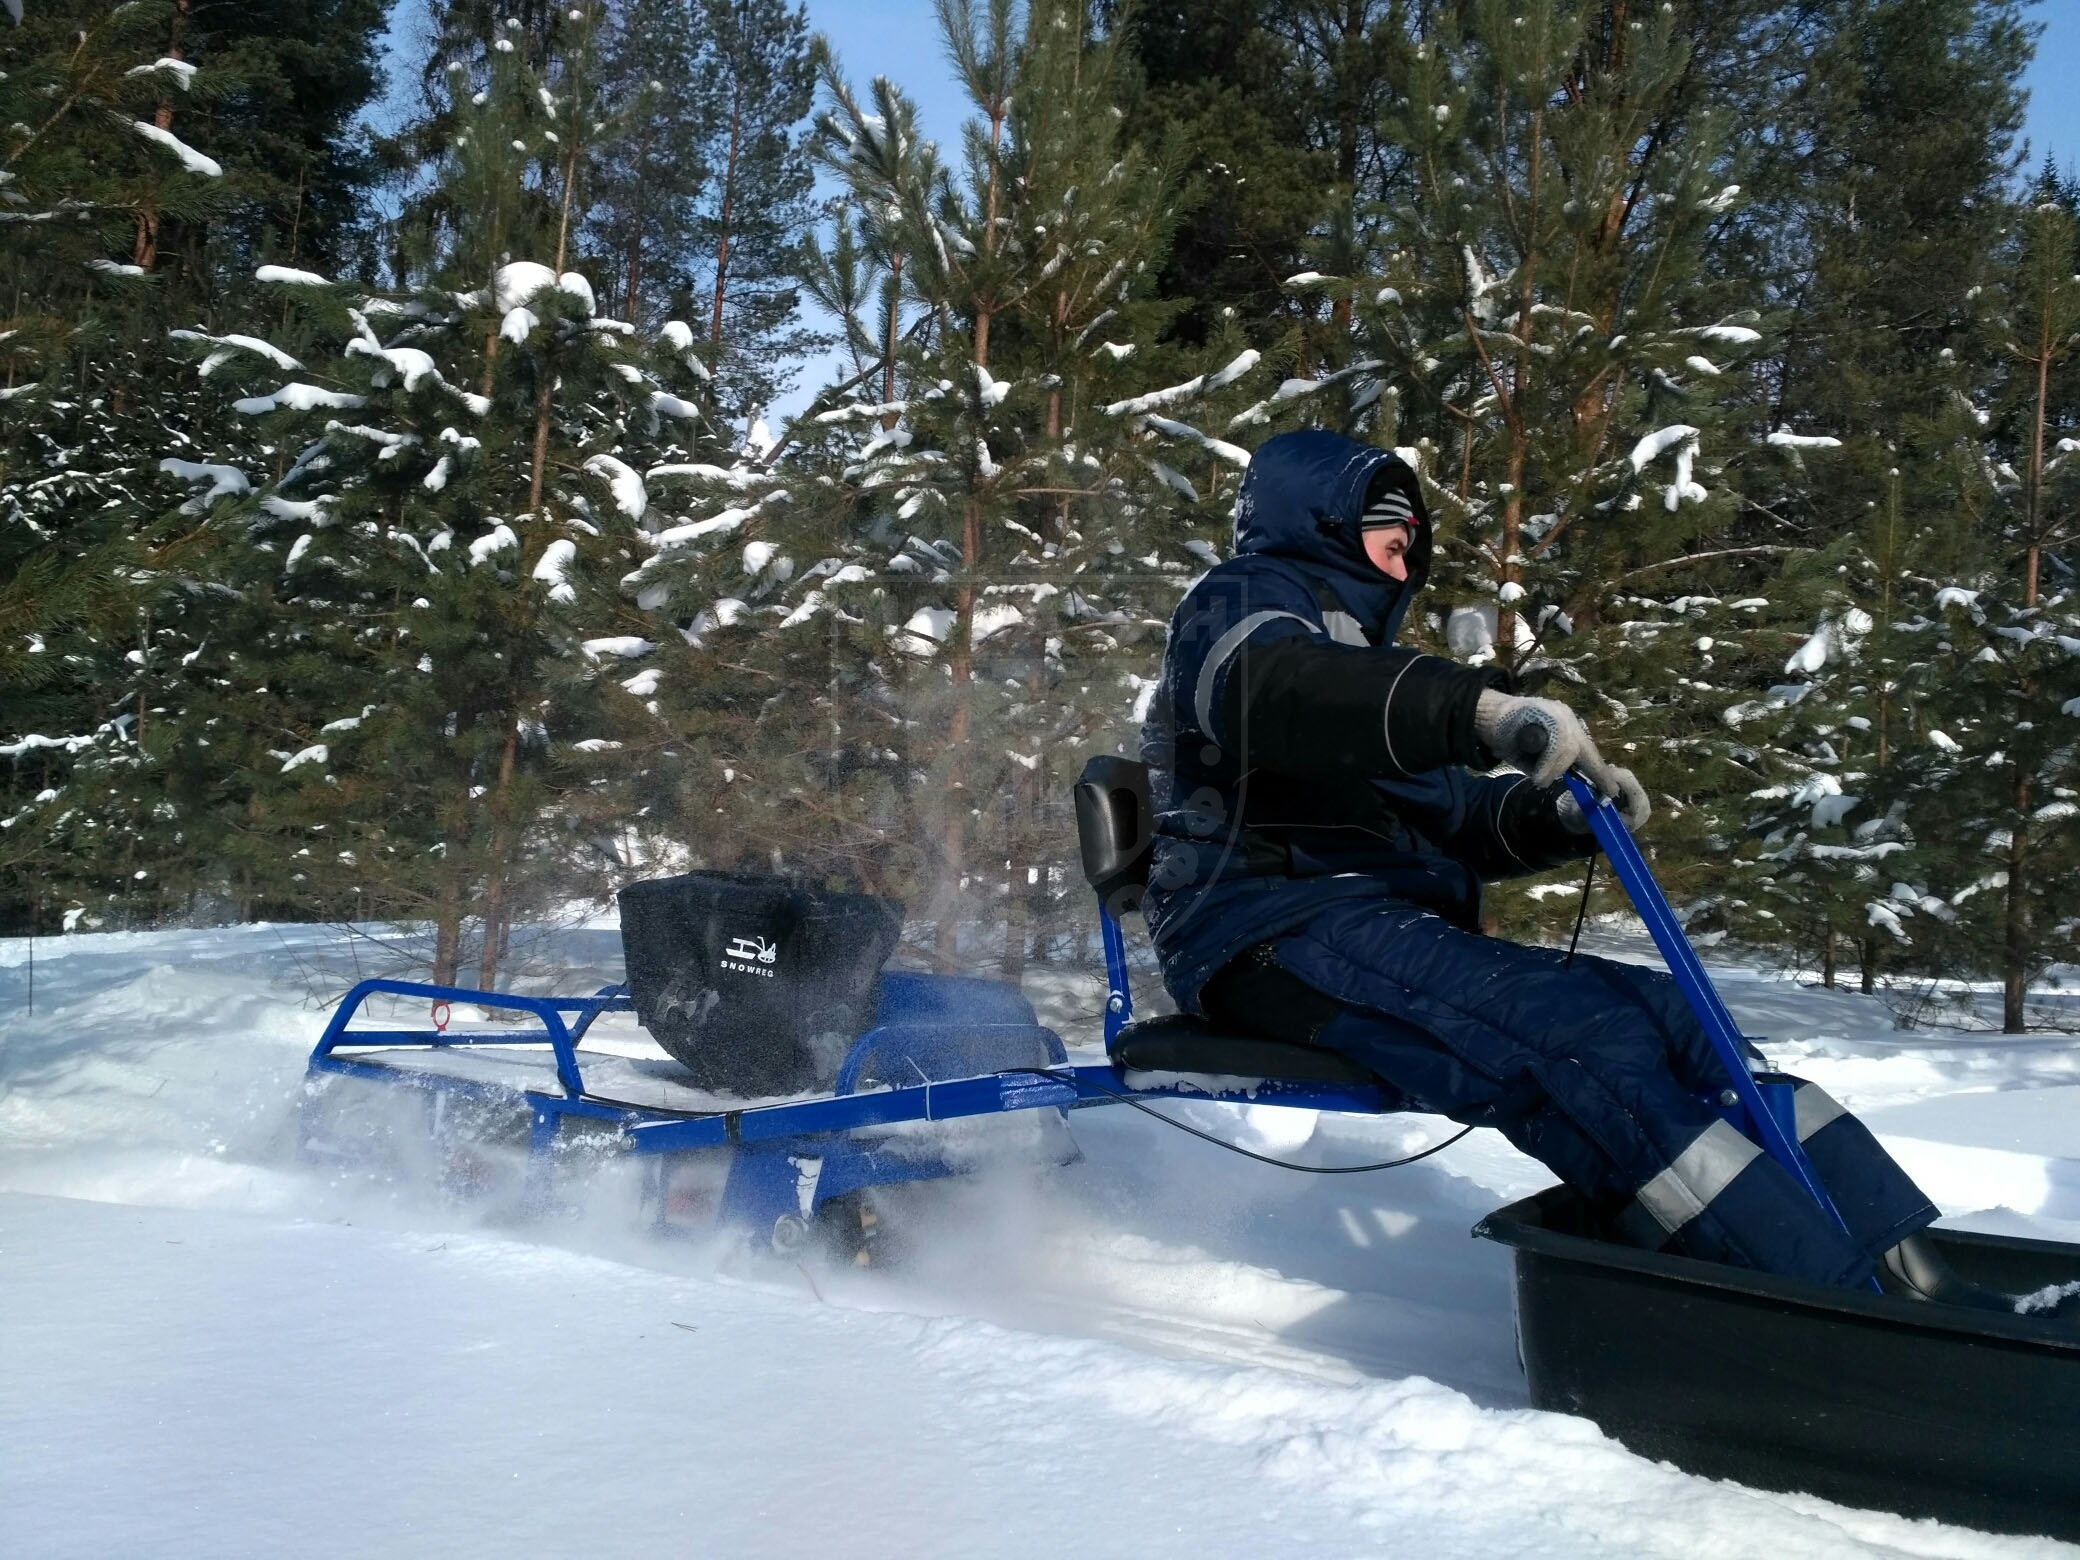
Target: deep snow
pixel 212 1349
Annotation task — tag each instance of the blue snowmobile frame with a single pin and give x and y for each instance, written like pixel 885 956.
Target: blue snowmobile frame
pixel 791 1157
pixel 972 1045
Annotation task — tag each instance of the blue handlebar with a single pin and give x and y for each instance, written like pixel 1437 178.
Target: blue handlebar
pixel 1763 1125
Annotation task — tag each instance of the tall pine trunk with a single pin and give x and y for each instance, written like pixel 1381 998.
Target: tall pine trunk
pixel 447 918
pixel 497 865
pixel 2033 532
pixel 635 239
pixel 2015 920
pixel 144 251
pixel 953 836
pixel 729 196
pixel 543 405
pixel 1020 856
pixel 1512 541
pixel 954 840
pixel 2015 939
pixel 1016 906
pixel 545 399
pixel 888 347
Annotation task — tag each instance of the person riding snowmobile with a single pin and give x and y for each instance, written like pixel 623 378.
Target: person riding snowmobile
pixel 1329 805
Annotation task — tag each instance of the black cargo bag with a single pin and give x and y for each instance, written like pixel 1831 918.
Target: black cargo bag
pixel 756 985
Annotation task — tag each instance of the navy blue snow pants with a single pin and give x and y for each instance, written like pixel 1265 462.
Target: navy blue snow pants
pixel 1599 1071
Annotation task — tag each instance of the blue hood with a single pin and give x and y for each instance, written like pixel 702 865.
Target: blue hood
pixel 1301 499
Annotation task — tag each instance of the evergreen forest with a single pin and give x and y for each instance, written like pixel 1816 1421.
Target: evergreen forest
pixel 397 526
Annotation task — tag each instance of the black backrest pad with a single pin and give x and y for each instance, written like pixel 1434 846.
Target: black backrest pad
pixel 1115 827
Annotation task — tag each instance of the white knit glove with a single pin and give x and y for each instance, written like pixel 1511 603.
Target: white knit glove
pixel 1629 795
pixel 1542 737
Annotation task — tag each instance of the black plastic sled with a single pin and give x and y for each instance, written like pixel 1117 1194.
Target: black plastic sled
pixel 1866 1399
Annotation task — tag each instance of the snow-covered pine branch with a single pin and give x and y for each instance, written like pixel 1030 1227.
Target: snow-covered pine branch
pixel 224 481
pixel 230 345
pixel 1297 389
pixel 1784 438
pixel 289 276
pixel 1220 449
pixel 1682 439
pixel 190 159
pixel 1190 390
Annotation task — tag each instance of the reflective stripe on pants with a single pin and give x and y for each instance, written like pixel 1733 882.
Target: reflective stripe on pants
pixel 1697 1176
pixel 1813 1108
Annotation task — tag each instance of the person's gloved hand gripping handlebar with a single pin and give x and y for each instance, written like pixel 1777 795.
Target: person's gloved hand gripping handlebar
pixel 1545 739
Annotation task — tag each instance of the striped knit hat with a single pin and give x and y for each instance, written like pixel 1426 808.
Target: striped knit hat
pixel 1388 506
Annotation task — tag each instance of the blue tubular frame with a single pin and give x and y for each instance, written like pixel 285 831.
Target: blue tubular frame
pixel 786 1159
pixel 1764 1120
pixel 661 1130
pixel 989 1094
pixel 933 1048
pixel 1119 995
pixel 562 1038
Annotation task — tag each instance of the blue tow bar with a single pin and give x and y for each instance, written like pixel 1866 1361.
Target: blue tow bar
pixel 1764 1122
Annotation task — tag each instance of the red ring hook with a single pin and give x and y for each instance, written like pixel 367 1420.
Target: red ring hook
pixel 441 1015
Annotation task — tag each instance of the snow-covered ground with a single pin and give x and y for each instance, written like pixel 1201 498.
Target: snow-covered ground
pixel 209 1348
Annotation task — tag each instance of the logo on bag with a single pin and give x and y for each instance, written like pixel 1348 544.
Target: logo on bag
pixel 751 956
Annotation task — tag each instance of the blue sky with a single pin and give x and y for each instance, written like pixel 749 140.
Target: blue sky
pixel 900 40
pixel 2054 105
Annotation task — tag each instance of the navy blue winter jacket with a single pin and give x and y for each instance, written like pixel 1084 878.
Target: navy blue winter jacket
pixel 1300 756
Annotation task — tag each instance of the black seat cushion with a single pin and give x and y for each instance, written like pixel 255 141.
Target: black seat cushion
pixel 1180 1043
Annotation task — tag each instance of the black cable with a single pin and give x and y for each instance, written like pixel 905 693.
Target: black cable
pixel 654 1110
pixel 1124 1099
pixel 1237 1148
pixel 1580 915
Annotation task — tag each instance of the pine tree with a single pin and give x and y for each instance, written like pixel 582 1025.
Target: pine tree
pixel 1991 787
pixel 153 145
pixel 645 210
pixel 87 171
pixel 1829 825
pixel 1220 95
pixel 888 168
pixel 468 33
pixel 434 642
pixel 2009 699
pixel 1955 722
pixel 1885 219
pixel 763 76
pixel 998 561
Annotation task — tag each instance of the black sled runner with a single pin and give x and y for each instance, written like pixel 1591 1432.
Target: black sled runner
pixel 1867 1399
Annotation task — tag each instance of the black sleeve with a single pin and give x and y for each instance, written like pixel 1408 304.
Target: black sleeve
pixel 1511 827
pixel 1303 707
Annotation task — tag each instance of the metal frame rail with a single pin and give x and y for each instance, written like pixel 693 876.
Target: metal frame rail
pixel 563 1038
pixel 660 1130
